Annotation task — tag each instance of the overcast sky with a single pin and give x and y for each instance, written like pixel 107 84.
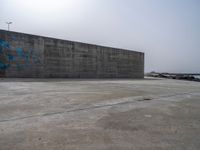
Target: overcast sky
pixel 168 31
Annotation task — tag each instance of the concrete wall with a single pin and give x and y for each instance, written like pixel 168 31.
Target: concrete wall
pixel 24 55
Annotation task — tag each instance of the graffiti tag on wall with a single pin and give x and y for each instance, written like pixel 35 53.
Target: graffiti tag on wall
pixel 18 57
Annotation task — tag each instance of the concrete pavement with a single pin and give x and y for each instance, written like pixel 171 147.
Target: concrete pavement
pixel 51 114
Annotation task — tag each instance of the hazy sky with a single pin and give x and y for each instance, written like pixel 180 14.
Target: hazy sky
pixel 168 31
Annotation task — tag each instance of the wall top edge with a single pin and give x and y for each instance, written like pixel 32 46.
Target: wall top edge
pixel 26 34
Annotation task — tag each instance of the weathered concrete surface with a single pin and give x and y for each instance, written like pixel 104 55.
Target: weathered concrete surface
pixel 60 114
pixel 25 55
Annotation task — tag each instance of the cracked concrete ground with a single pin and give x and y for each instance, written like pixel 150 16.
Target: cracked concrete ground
pixel 52 114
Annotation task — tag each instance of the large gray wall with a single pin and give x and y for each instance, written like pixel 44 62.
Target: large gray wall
pixel 25 55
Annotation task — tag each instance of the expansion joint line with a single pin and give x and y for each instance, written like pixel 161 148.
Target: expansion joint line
pixel 93 107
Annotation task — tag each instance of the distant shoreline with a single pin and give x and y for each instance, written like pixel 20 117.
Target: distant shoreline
pixel 177 76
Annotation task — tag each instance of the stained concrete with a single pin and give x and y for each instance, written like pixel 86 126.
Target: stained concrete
pixel 51 114
pixel 25 55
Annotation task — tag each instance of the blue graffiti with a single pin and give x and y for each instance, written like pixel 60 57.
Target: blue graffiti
pixel 27 57
pixel 4 44
pixel 20 52
pixel 11 57
pixel 3 66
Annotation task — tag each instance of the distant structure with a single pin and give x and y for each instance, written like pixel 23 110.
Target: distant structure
pixel 31 56
pixel 177 76
pixel 8 23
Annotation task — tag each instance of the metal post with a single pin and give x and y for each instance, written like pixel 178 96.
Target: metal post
pixel 8 23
